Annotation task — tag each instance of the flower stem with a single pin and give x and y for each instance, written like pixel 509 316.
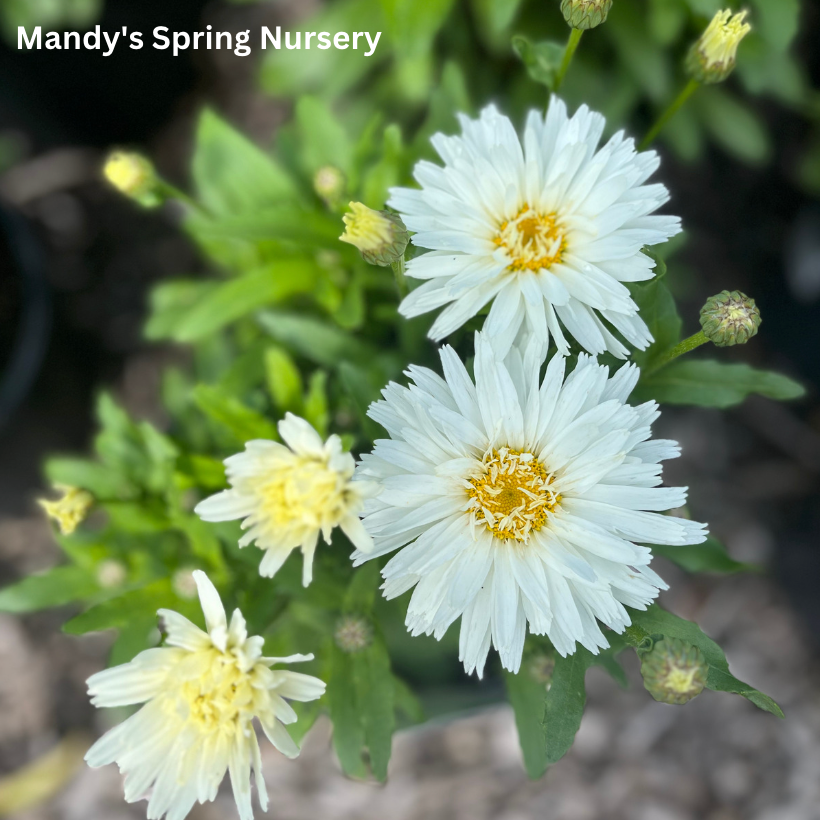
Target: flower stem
pixel 679 349
pixel 572 45
pixel 401 279
pixel 667 115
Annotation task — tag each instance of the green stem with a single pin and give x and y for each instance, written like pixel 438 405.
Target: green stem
pixel 679 349
pixel 667 115
pixel 401 279
pixel 569 51
pixel 168 191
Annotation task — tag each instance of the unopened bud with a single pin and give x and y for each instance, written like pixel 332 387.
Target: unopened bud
pixel 673 671
pixel 712 58
pixel 353 634
pixel 133 175
pixel 70 510
pixel 329 184
pixel 585 14
pixel 730 318
pixel 380 236
pixel 111 573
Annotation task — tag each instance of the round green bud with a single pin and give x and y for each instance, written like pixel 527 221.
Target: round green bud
pixel 730 318
pixel 585 14
pixel 353 634
pixel 380 236
pixel 673 671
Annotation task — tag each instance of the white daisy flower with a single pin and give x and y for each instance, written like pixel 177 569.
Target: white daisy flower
pixel 288 495
pixel 517 502
pixel 201 693
pixel 548 227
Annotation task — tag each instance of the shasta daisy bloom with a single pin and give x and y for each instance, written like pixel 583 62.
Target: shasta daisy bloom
pixel 547 228
pixel 515 501
pixel 201 691
pixel 288 495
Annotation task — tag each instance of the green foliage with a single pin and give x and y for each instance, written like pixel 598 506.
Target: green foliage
pixel 710 556
pixel 57 586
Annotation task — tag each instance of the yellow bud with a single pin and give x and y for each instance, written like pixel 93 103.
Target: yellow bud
pixel 380 236
pixel 712 58
pixel 131 174
pixel 70 510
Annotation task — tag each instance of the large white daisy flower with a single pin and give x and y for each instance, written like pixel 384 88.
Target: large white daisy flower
pixel 288 495
pixel 201 693
pixel 520 502
pixel 549 229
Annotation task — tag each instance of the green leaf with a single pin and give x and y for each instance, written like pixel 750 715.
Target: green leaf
pixel 777 21
pixel 710 383
pixel 55 587
pixel 100 480
pixel 315 340
pixel 385 173
pixel 362 391
pixel 361 592
pixel 710 556
pixel 413 24
pixel 323 139
pixel 236 298
pixel 124 609
pixel 407 703
pixel 733 125
pixel 245 424
pixel 290 224
pixel 231 174
pixel 658 621
pixel 316 407
pixel 495 16
pixel 541 59
pixel 657 308
pixel 528 700
pixel 133 638
pixel 283 379
pixel 565 702
pixel 375 692
pixel 169 302
pixel 348 732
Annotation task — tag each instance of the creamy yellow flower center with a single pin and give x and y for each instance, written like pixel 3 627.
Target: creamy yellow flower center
pixel 221 698
pixel 512 495
pixel 305 490
pixel 680 679
pixel 533 240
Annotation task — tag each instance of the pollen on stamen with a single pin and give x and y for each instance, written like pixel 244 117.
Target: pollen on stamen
pixel 533 240
pixel 512 497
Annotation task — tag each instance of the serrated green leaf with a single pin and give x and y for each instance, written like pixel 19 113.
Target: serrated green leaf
pixel 541 59
pixel 658 621
pixel 315 340
pixel 710 556
pixel 348 732
pixel 283 379
pixel 231 174
pixel 124 609
pixel 565 702
pixel 657 308
pixel 375 692
pixel 55 587
pixel 709 383
pixel 528 700
pixel 237 297
pixel 242 422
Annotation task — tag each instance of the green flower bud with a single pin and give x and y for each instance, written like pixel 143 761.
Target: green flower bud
pixel 712 58
pixel 673 671
pixel 585 14
pixel 353 634
pixel 730 318
pixel 380 236
pixel 329 184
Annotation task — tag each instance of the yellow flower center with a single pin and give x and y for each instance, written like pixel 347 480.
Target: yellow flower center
pixel 533 240
pixel 511 497
pixel 680 679
pixel 221 698
pixel 305 491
